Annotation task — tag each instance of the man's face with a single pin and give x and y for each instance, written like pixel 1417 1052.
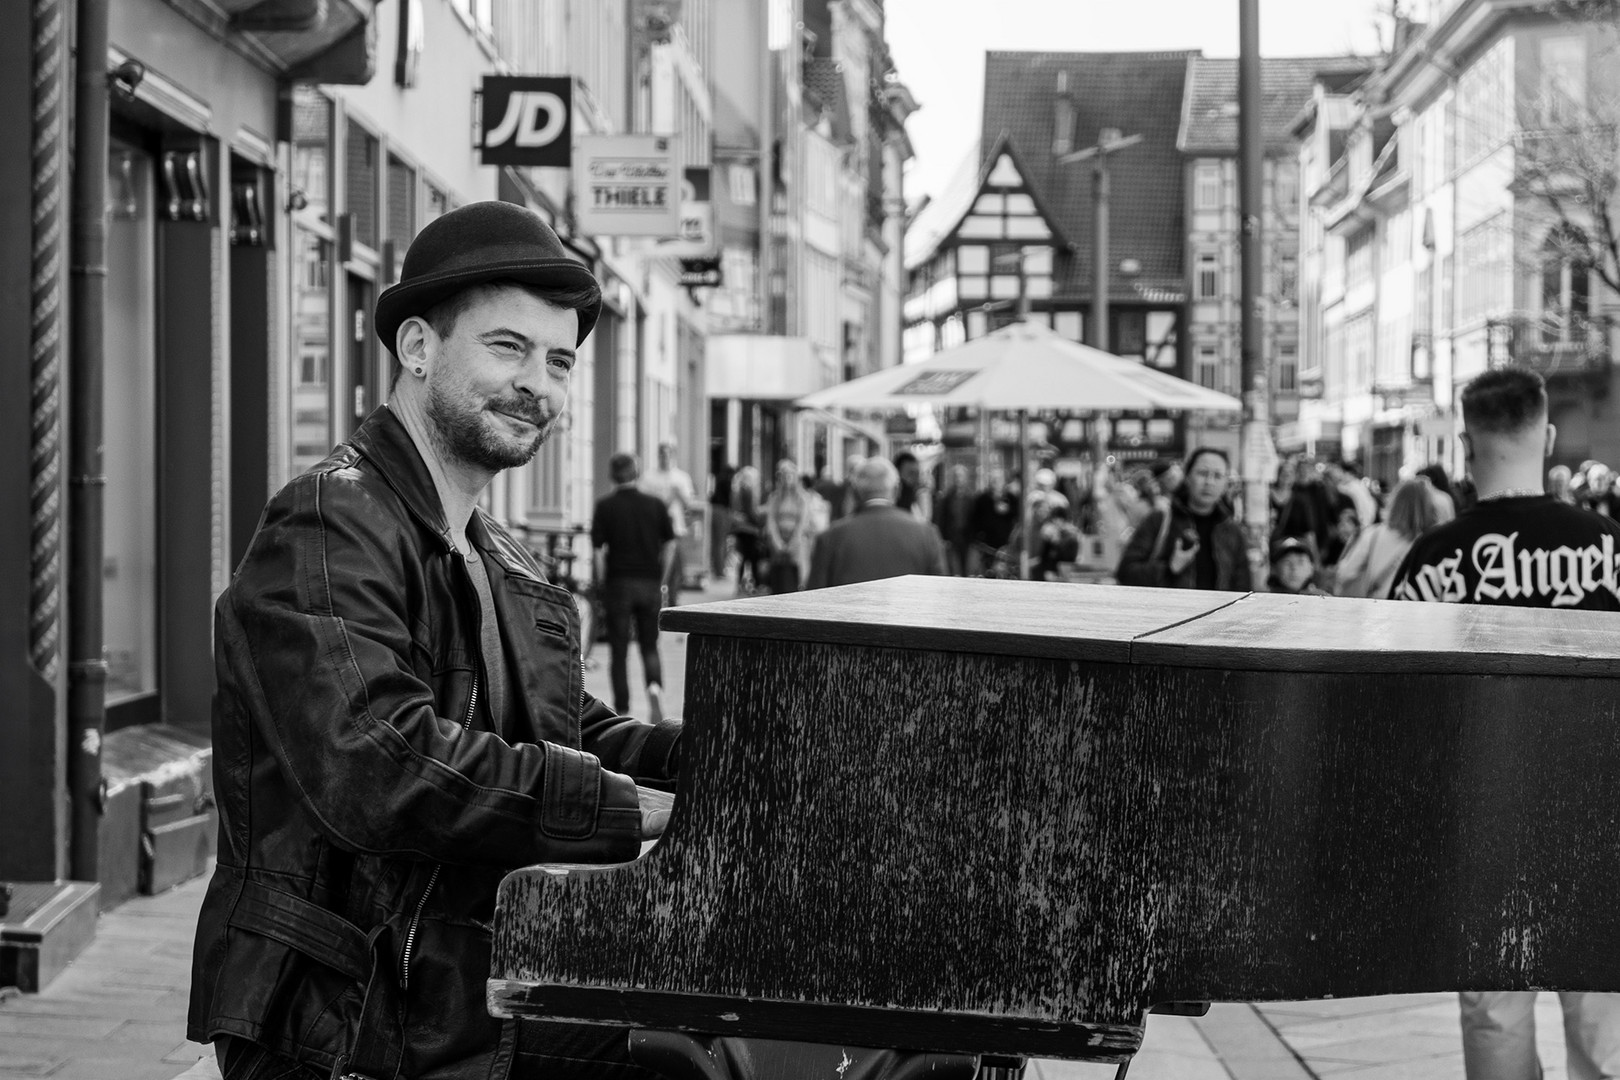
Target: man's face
pixel 499 381
pixel 910 472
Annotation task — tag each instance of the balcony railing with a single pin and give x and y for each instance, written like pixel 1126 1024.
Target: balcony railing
pixel 1553 345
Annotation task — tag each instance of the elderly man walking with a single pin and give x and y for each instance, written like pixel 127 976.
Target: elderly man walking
pixel 878 540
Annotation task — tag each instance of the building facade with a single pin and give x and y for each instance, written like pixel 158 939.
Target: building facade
pixel 1014 228
pixel 811 141
pixel 268 164
pixel 1209 144
pixel 1461 237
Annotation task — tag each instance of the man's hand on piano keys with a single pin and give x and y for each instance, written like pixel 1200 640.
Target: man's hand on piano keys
pixel 655 808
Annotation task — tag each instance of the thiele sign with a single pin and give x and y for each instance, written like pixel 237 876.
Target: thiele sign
pixel 627 185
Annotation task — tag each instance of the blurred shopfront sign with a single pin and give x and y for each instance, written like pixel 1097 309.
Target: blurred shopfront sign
pixel 696 238
pixel 627 185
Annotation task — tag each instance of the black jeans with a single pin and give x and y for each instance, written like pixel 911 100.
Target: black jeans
pixel 632 605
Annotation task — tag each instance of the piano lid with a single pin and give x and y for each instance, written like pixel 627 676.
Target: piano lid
pixel 1120 624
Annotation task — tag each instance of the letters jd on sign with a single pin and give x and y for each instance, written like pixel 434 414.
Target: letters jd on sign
pixel 526 120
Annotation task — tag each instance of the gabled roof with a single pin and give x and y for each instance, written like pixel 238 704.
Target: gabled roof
pixel 1209 123
pixel 1002 167
pixel 1138 93
pixel 941 214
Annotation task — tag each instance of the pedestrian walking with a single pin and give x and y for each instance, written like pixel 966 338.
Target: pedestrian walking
pixel 672 485
pixel 879 540
pixel 1368 567
pixel 953 518
pixel 720 518
pixel 1195 543
pixel 635 546
pixel 398 688
pixel 747 530
pixel 995 516
pixel 789 529
pixel 1519 546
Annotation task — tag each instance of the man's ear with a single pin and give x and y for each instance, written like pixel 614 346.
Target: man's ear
pixel 1552 440
pixel 415 342
pixel 1467 441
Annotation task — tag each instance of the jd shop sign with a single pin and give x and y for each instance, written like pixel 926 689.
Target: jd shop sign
pixel 526 120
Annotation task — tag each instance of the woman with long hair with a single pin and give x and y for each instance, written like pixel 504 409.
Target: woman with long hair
pixel 1368 567
pixel 789 529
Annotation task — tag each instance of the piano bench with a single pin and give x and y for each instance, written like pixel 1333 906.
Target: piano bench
pixel 677 1056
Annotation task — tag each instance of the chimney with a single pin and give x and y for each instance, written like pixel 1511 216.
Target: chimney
pixel 1063 117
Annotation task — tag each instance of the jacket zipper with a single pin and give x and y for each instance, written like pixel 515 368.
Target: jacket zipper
pixel 433 879
pixel 580 619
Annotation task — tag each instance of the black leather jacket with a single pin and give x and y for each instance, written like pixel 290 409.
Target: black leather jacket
pixel 369 804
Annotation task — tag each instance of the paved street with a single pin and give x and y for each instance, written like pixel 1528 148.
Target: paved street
pixel 119 1012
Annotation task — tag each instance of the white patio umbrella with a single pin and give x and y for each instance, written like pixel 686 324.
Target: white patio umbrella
pixel 1024 367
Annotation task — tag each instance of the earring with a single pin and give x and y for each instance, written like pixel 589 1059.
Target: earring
pixel 419 369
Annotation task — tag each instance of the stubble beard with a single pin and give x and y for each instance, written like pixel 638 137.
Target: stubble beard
pixel 469 434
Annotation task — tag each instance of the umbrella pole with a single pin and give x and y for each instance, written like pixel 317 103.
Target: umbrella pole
pixel 1024 487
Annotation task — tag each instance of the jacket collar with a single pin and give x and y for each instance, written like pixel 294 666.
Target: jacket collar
pixel 383 441
pixel 1219 513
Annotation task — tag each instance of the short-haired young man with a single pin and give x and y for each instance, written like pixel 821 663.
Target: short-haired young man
pixel 1519 546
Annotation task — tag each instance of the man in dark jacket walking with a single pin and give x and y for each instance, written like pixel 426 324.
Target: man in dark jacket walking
pixel 1196 543
pixel 879 540
pixel 635 551
pixel 400 717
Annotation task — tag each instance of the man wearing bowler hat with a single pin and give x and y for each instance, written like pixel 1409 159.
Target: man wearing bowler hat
pixel 400 717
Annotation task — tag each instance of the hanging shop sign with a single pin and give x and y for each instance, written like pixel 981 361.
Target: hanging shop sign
pixel 526 120
pixel 701 273
pixel 627 185
pixel 696 239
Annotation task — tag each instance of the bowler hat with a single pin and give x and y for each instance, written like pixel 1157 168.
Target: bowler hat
pixel 478 243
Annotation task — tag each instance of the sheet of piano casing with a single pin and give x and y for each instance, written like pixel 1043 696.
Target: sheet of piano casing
pixel 965 815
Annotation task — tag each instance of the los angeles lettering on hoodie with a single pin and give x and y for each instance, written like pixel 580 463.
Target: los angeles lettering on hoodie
pixel 1524 552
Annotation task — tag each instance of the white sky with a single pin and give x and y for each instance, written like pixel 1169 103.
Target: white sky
pixel 939 47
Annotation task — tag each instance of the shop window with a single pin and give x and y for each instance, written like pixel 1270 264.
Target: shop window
pixel 436 204
pixel 360 183
pixel 1565 285
pixel 129 423
pixel 1561 100
pixel 1288 369
pixel 1209 275
pixel 1130 333
pixel 1207 371
pixel 401 203
pixel 1207 186
pixel 312 150
pixel 312 341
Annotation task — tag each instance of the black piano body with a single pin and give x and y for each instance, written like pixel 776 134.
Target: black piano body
pixel 991 817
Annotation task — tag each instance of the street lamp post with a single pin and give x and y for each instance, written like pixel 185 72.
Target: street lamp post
pixel 1109 140
pixel 1256 453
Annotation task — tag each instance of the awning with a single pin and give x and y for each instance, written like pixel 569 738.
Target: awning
pixel 761 367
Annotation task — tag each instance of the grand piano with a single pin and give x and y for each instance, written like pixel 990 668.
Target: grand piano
pixel 1007 818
